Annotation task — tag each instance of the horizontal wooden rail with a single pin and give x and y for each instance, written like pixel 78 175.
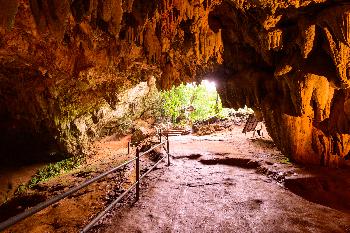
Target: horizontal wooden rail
pixel 101 214
pixel 15 219
pixel 173 132
pixel 152 148
pixel 134 185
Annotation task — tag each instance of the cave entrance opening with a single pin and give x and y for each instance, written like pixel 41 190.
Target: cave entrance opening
pixel 193 105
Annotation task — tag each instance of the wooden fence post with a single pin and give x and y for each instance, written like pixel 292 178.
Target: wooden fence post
pixel 160 135
pixel 137 174
pixel 168 149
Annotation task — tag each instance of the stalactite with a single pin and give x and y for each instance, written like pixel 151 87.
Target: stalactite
pixel 274 40
pixel 346 27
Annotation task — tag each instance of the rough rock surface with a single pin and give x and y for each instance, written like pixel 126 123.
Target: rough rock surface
pixel 289 60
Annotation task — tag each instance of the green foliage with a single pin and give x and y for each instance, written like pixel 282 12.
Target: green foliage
pixel 202 97
pixel 52 170
pixel 22 188
pixel 285 160
pixel 226 112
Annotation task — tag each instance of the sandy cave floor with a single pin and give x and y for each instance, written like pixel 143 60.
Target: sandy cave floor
pixel 228 183
pixel 224 182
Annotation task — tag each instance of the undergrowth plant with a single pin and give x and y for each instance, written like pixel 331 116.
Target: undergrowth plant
pixel 285 160
pixel 54 169
pixel 50 171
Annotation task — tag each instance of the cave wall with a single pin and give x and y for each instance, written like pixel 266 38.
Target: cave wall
pixel 292 66
pixel 62 61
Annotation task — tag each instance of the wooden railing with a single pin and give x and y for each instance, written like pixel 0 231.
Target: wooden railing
pixel 13 220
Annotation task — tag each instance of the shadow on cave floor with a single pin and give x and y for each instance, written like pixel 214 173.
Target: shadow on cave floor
pixel 325 186
pixel 263 142
pixel 331 190
pixel 237 162
pixel 191 156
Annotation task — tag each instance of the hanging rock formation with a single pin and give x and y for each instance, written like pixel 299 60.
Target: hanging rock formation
pixel 291 64
pixel 63 61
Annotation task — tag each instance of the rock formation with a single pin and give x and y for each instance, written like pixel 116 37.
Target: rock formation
pixel 64 62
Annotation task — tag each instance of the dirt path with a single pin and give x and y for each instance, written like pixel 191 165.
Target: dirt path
pixel 226 183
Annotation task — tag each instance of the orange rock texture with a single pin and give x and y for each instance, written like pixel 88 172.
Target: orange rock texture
pixel 61 60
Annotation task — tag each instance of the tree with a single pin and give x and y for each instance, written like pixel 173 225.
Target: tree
pixel 202 97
